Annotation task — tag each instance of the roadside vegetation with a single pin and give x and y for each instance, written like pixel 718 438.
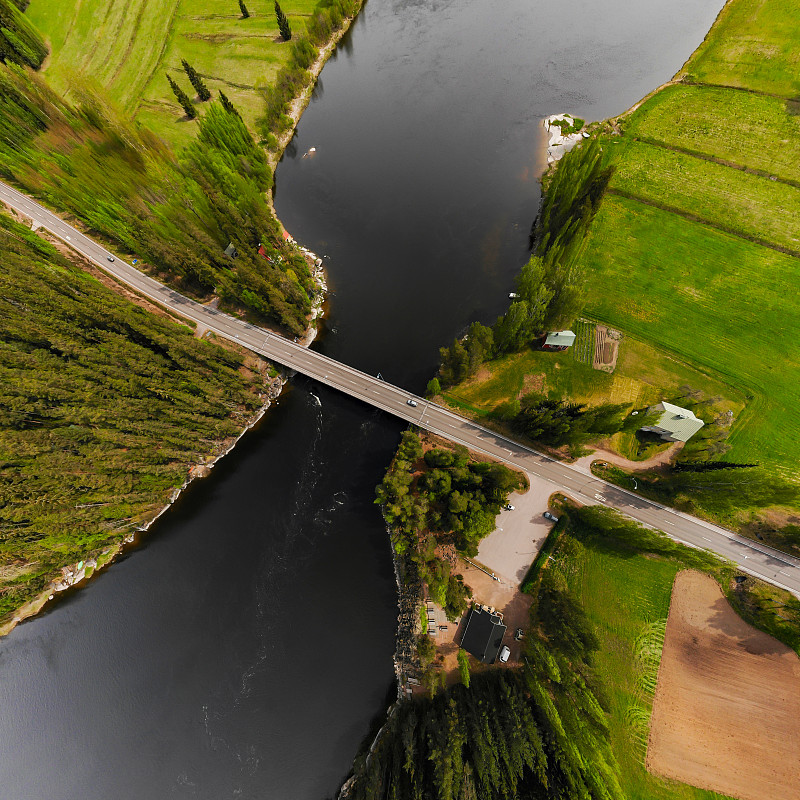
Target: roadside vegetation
pixel 103 408
pixel 176 216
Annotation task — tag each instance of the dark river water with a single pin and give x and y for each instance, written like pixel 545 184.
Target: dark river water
pixel 244 649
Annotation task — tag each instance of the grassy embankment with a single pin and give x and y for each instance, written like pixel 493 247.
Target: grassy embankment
pixel 620 575
pixel 128 46
pixel 103 406
pixel 694 251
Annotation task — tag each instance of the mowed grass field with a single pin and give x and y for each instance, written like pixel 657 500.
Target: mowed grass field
pixel 127 47
pixel 644 375
pixel 696 247
pixel 626 597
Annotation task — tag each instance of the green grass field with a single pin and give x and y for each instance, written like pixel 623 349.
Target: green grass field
pixel 682 254
pixel 717 301
pixel 753 45
pixel 644 375
pixel 750 205
pixel 623 583
pixel 128 47
pixel 743 128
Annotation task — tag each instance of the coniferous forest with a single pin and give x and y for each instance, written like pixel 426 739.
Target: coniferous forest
pixel 102 407
pixel 535 733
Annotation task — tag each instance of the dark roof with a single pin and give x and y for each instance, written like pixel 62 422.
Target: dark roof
pixel 483 635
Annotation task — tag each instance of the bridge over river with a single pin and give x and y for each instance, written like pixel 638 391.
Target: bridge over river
pixel 752 557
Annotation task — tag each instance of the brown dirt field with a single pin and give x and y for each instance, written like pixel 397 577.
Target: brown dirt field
pixel 726 714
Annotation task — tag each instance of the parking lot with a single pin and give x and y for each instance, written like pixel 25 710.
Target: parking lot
pixel 511 548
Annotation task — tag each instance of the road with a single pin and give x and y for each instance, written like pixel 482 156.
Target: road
pixel 752 557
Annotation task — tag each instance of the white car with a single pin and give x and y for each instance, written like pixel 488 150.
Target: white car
pixel 504 654
pixel 508 507
pixel 412 403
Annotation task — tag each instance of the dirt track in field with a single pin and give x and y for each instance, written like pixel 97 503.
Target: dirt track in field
pixel 726 714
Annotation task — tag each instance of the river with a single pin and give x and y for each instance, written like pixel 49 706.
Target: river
pixel 242 651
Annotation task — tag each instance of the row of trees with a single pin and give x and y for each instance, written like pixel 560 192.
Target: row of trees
pixel 76 474
pixel 283 22
pixel 454 500
pixel 549 288
pixel 327 17
pixel 177 215
pixel 561 422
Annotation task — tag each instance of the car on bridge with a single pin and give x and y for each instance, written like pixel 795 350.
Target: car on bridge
pixel 412 403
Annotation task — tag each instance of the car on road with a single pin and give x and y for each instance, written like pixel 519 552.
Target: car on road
pixel 110 258
pixel 504 654
pixel 551 517
pixel 412 403
pixel 508 507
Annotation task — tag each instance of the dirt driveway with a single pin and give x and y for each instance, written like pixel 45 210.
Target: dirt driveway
pixel 726 715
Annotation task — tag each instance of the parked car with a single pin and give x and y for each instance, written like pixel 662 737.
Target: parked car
pixel 519 634
pixel 504 654
pixel 412 403
pixel 551 517
pixel 508 507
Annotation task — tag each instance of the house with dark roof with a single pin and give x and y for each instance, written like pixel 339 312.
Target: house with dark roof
pixel 675 424
pixel 483 634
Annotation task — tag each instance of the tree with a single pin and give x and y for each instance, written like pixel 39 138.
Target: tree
pixel 227 105
pixel 433 388
pixel 196 81
pixel 243 9
pixel 463 667
pixel 183 99
pixel 283 23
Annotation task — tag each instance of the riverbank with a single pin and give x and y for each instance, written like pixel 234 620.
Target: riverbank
pixel 77 573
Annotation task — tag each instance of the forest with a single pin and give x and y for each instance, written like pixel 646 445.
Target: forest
pixel 442 498
pixel 538 732
pixel 177 215
pixel 76 474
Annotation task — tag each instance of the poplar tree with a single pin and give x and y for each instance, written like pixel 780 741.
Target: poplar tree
pixel 227 105
pixel 196 81
pixel 243 9
pixel 183 99
pixel 283 23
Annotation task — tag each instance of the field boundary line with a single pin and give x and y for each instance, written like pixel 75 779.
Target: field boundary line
pixel 703 221
pixel 760 173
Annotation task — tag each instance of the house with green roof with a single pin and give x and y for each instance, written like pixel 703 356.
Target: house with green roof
pixel 675 424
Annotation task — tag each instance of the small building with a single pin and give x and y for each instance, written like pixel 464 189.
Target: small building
pixel 483 634
pixel 231 251
pixel 675 424
pixel 559 340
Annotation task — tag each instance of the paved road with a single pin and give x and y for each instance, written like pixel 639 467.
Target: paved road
pixel 753 557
